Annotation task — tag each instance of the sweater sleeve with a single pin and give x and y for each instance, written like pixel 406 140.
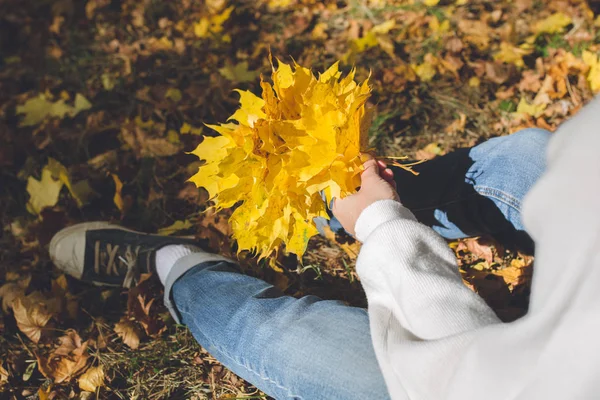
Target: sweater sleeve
pixel 411 277
pixel 435 339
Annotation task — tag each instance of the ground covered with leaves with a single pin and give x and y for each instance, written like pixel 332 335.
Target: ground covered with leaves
pixel 101 99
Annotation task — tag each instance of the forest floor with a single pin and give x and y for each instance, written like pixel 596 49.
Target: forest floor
pixel 101 99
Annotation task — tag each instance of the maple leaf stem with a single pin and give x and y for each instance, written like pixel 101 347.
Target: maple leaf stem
pixel 405 166
pixel 31 353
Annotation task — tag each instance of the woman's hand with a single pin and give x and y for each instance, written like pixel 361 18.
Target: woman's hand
pixel 377 183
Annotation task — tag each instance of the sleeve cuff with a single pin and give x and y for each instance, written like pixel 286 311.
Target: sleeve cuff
pixel 379 213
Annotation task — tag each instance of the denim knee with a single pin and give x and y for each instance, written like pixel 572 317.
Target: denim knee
pixel 532 142
pixel 520 155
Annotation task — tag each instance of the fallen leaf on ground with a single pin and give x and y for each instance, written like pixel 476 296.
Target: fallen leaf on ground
pixel 68 343
pixel 427 70
pixel 118 198
pixel 511 54
pixel 175 227
pixel 43 193
pixel 351 249
pixel 238 72
pixel 476 32
pixel 474 81
pixel 129 332
pixel 593 77
pixel 37 109
pixel 430 151
pixel 146 144
pixel 44 394
pixel 376 36
pixel 3 375
pixel 32 317
pixel 553 24
pixel 480 249
pixel 92 379
pixel 212 25
pixel 458 125
pixel 174 94
pixel 534 110
pixel 11 291
pixel 187 129
pixel 80 191
pixel 517 272
pixel 68 360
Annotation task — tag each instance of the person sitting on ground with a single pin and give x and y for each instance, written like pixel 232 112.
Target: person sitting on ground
pixel 425 335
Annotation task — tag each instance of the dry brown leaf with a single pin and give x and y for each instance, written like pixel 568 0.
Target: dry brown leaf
pixel 44 394
pixel 61 369
pixel 458 125
pixel 68 343
pixel 92 379
pixel 531 81
pixel 118 197
pixel 31 316
pixel 351 249
pixel 498 72
pixel 129 332
pixel 140 302
pixel 216 229
pixel 3 375
pixel 68 360
pixel 517 272
pixel 10 291
pixel 476 32
pixel 480 249
pixel 454 45
pixel 145 146
pixel 429 152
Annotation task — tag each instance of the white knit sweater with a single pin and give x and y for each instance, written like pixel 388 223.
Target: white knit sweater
pixel 436 339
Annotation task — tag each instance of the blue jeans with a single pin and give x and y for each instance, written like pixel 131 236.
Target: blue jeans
pixel 310 348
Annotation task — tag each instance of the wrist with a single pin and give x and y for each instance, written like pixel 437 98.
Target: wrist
pixel 378 213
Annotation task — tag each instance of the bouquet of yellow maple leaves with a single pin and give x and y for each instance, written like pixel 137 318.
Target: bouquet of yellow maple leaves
pixel 303 137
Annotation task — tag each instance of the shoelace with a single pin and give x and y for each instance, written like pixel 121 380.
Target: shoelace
pixel 109 258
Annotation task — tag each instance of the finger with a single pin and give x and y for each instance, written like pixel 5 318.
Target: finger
pixel 387 174
pixel 382 165
pixel 371 168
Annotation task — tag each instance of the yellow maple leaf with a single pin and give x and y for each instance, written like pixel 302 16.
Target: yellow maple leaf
pixel 175 227
pixel 555 23
pixel 474 81
pixel 534 110
pixel 43 193
pixel 303 136
pixel 213 24
pixel 511 54
pixel 37 109
pixel 431 3
pixel 438 28
pixel 593 77
pixel 426 71
pixel 274 4
pixel 80 191
pixel 376 36
pixel 187 129
pixel 118 198
pixel 238 72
